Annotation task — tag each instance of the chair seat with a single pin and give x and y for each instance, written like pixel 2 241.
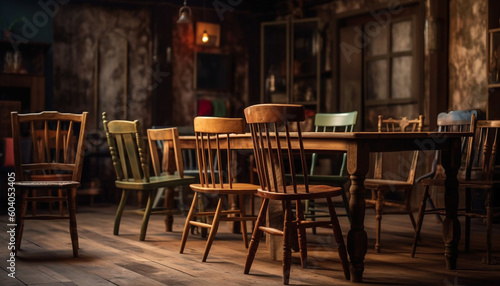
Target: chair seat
pixel 480 184
pixel 315 192
pixel 241 188
pixel 386 184
pixel 155 182
pixel 323 179
pixel 47 184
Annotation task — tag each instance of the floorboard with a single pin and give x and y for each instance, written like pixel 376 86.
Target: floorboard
pixel 106 259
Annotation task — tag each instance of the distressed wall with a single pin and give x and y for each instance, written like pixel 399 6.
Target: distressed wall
pixel 104 54
pixel 233 42
pixel 467 58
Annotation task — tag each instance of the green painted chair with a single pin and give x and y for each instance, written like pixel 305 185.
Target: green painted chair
pixel 131 163
pixel 330 122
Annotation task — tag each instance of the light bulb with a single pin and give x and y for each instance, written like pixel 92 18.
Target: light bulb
pixel 204 36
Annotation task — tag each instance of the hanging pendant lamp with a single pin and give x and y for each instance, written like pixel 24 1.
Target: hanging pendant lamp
pixel 184 14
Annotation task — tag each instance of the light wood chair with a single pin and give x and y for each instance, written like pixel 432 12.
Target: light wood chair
pixel 131 163
pixel 385 181
pixel 453 121
pixel 59 163
pixel 274 159
pixel 166 158
pixel 210 132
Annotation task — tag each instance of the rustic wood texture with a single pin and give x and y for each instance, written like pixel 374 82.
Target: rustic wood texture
pixel 56 153
pixel 106 259
pixel 131 163
pixel 265 121
pixel 217 180
pixel 385 182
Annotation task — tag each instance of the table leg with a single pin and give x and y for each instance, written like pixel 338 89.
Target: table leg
pixel 451 161
pixel 357 240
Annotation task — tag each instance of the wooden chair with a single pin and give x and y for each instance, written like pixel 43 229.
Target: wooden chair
pixel 275 158
pixel 482 174
pixel 454 121
pixel 210 132
pixel 53 162
pixel 388 181
pixel 131 163
pixel 167 159
pixel 330 122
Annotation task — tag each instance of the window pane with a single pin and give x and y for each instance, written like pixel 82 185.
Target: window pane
pixel 402 36
pixel 377 80
pixel 401 77
pixel 377 39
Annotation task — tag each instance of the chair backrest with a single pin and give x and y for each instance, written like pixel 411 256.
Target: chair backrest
pixel 333 122
pixel 210 132
pixel 399 125
pixel 126 146
pixel 456 121
pixel 165 140
pixel 273 151
pixel 56 148
pixel 483 149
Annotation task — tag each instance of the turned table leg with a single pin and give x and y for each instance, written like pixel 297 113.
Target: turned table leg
pixel 451 226
pixel 357 240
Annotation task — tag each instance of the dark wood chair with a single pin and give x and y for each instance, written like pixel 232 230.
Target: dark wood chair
pixel 388 181
pixel 453 121
pixel 131 163
pixel 275 156
pixel 482 174
pixel 54 159
pixel 217 179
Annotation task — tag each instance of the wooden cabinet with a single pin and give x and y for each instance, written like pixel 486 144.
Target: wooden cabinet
pixel 291 62
pixel 493 73
pixel 22 74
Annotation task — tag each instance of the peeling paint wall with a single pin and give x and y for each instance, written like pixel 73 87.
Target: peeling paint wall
pixel 468 54
pixel 103 52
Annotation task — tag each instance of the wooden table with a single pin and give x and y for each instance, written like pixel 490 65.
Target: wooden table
pixel 358 146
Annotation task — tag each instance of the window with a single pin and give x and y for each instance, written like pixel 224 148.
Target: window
pixel 389 65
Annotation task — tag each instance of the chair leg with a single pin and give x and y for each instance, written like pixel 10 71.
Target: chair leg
pixel 489 206
pixel 119 211
pixel 33 203
pixel 257 234
pixel 187 225
pixel 408 208
pixel 287 251
pixel 301 232
pixel 310 205
pixel 159 194
pixel 213 229
pixel 378 210
pixel 421 213
pixel 20 213
pixel 169 205
pixel 61 203
pixel 467 218
pixel 70 195
pixel 339 239
pixel 147 214
pixel 243 222
pixel 345 201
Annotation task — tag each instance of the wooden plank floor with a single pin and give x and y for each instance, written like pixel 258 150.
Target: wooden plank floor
pixel 105 259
